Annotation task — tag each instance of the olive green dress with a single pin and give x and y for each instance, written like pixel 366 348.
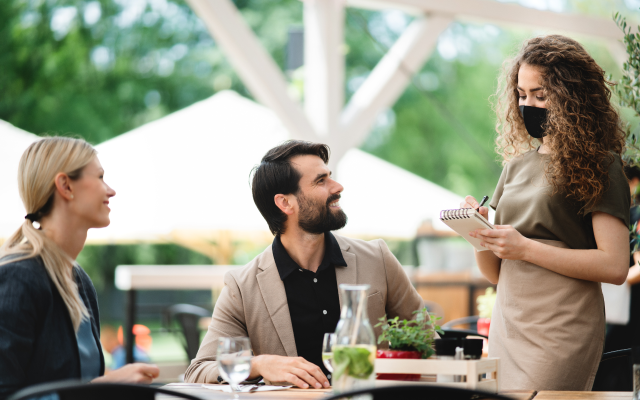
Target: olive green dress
pixel 548 329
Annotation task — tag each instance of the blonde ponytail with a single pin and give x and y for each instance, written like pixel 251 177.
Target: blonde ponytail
pixel 39 165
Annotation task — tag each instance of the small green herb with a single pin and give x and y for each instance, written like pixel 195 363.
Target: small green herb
pixel 354 360
pixel 415 335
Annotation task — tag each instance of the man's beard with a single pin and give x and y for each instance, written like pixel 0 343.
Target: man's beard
pixel 317 218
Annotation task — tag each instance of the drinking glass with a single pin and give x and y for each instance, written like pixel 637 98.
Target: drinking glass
pixel 327 354
pixel 234 360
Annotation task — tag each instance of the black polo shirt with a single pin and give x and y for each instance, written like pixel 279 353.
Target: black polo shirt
pixel 313 299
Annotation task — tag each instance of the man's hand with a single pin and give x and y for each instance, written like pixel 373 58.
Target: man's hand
pixel 131 373
pixel 295 370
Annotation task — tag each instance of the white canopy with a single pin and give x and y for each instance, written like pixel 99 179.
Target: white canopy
pixel 189 171
pixel 13 142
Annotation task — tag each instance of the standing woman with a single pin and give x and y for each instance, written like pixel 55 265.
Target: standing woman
pixel 49 321
pixel 562 217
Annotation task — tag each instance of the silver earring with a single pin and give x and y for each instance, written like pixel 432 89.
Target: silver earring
pixel 72 196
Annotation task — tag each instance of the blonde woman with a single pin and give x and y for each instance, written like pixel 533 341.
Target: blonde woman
pixel 562 217
pixel 49 320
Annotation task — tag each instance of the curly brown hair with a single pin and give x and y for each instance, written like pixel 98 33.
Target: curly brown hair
pixel 583 129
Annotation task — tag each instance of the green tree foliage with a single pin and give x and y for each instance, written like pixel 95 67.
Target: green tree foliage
pixel 628 88
pixel 99 68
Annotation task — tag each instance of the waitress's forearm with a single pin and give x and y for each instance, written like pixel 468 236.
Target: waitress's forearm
pixel 591 265
pixel 489 265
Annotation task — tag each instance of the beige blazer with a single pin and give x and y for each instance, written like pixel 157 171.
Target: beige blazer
pixel 253 302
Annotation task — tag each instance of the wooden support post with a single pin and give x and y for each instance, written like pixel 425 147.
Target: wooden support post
pixel 253 63
pixel 390 77
pixel 324 64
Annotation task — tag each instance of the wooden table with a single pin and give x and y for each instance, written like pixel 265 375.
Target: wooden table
pixel 552 395
pixel 520 394
pixel 197 390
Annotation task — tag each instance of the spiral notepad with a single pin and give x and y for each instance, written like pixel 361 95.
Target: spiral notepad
pixel 465 220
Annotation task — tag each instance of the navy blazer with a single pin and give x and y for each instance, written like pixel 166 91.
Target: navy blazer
pixel 37 340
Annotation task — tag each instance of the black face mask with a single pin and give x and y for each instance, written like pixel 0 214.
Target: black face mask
pixel 534 118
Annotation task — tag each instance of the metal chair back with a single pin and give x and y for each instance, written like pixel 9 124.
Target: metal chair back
pixel 187 316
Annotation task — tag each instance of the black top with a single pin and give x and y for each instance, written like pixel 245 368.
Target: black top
pixel 313 299
pixel 37 340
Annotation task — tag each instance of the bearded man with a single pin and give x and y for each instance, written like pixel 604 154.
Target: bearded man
pixel 286 299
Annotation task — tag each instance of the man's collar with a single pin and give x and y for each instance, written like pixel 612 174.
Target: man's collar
pixel 286 265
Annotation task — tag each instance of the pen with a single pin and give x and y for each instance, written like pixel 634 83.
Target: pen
pixel 484 200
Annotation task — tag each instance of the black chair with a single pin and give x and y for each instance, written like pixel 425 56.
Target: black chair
pixel 187 316
pixel 460 333
pixel 615 372
pixel 472 320
pixel 420 392
pixel 78 390
pixel 450 332
pixel 616 354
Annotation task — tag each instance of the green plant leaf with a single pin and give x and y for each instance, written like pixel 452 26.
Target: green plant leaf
pixel 417 334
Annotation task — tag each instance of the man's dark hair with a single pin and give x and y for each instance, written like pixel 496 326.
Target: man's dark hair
pixel 276 175
pixel 631 171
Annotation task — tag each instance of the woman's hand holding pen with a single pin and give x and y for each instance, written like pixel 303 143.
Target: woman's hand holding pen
pixel 504 241
pixel 470 202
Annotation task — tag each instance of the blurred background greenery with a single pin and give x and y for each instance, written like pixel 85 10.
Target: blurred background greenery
pixel 100 68
pixel 103 67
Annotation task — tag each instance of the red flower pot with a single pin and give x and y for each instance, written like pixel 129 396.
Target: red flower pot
pixel 398 354
pixel 483 326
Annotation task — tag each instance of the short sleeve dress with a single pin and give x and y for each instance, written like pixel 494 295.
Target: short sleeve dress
pixel 548 329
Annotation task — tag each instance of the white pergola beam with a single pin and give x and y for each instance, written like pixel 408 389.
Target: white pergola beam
pixel 390 77
pixel 324 63
pixel 254 64
pixel 496 12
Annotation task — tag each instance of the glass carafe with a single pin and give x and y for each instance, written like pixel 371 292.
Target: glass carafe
pixel 354 351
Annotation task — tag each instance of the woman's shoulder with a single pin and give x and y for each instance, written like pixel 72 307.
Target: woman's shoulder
pixel 615 159
pixel 616 171
pixel 29 271
pixel 522 159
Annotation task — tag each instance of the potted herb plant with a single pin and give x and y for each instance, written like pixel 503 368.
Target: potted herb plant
pixel 408 339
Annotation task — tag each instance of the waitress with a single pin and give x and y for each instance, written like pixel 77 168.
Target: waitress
pixel 562 212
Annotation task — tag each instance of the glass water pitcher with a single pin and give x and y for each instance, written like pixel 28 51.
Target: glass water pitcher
pixel 354 351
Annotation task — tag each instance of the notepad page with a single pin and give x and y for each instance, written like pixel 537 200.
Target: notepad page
pixel 472 221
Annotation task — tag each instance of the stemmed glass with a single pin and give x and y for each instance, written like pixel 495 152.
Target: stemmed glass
pixel 234 360
pixel 327 353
